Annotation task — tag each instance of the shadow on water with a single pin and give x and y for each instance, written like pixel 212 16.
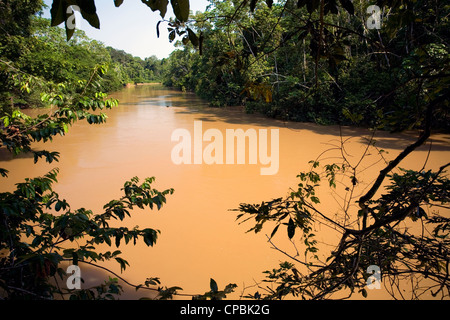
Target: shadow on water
pixel 5 155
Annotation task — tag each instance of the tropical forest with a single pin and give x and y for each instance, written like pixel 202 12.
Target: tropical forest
pixel 283 150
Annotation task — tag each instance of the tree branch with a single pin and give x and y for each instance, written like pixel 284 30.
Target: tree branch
pixel 383 173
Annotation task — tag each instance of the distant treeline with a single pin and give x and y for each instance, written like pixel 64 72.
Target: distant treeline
pixel 44 52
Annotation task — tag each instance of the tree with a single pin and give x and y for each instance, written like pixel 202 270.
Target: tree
pixel 372 226
pixel 35 241
pixel 39 230
pixel 411 56
pixel 395 78
pixel 133 69
pixel 15 26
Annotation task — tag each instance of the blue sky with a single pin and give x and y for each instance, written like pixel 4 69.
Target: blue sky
pixel 131 27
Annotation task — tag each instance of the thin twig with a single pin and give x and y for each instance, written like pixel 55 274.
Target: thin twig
pixel 290 256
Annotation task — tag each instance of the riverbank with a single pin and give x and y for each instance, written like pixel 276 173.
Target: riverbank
pixel 200 238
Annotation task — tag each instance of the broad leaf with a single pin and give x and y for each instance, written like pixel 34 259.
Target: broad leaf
pixel 87 6
pixel 213 285
pixel 181 9
pixel 193 37
pixel 58 12
pixel 172 35
pixel 160 5
pixel 92 18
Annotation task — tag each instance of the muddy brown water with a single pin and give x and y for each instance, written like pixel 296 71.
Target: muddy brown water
pixel 200 238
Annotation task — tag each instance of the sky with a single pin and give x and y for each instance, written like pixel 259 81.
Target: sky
pixel 131 27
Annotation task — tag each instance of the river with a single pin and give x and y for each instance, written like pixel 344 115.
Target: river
pixel 200 238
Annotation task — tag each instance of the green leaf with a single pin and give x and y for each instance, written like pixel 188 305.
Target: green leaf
pixel 172 35
pixel 5 121
pixel 118 238
pixel 3 172
pixel 89 12
pixel 160 5
pixel 123 263
pixel 213 285
pixel 92 18
pixel 107 240
pixel 87 6
pixel 274 231
pixel 150 237
pixel 364 293
pixel 354 117
pixel 315 199
pixel 118 3
pixel 291 228
pixel 58 12
pixel 193 37
pixel 152 281
pixel 181 9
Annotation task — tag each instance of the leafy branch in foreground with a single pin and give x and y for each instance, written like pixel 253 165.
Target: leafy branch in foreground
pixel 215 293
pixel 38 229
pixel 399 235
pixel 393 232
pixel 61 12
pixel 68 103
pixel 398 220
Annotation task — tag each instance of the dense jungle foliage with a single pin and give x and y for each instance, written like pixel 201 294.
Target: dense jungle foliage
pixel 319 61
pixel 43 52
pixel 283 60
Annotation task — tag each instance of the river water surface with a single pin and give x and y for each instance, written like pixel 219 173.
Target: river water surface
pixel 200 238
